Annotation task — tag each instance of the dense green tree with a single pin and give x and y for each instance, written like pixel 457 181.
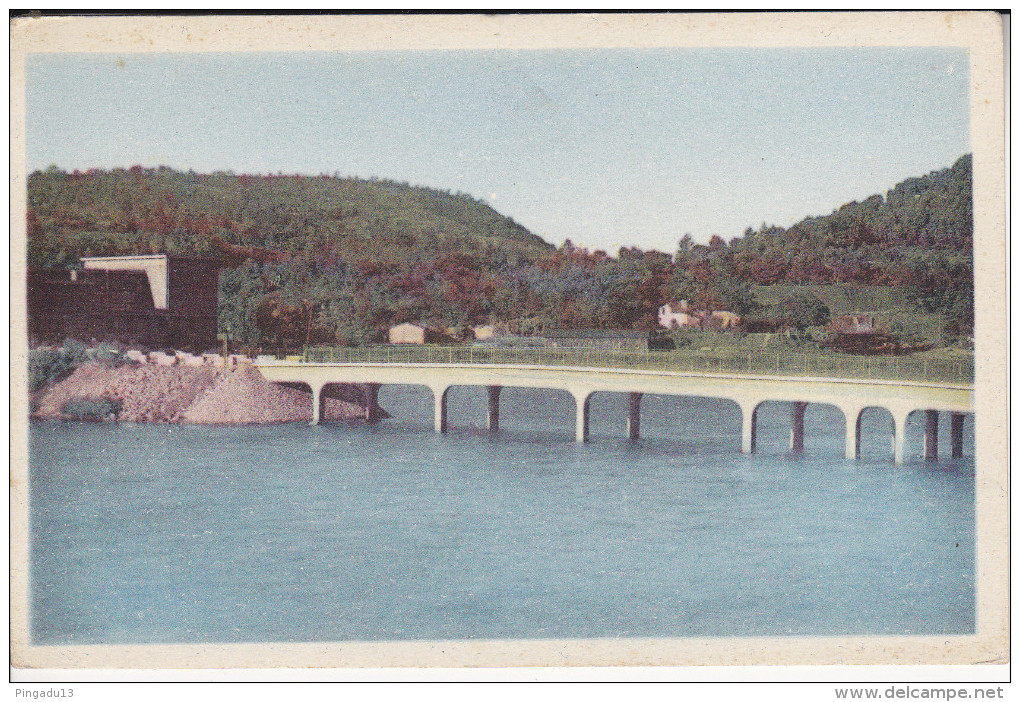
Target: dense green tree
pixel 241 291
pixel 802 310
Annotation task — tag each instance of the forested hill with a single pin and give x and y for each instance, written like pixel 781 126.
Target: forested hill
pixel 917 238
pixel 236 217
pixel 327 259
pixel 920 221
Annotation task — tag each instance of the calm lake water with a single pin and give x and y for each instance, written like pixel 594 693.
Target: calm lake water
pixel 193 534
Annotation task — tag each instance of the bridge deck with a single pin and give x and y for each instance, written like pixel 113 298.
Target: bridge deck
pixel 850 395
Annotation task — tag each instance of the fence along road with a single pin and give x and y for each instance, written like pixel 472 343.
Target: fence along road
pixel 852 384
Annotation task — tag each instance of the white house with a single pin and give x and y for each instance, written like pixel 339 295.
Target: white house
pixel 683 317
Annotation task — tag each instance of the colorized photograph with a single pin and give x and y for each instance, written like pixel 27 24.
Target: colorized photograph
pixel 500 344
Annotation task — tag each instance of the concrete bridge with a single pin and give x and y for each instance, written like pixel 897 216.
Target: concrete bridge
pixel 851 396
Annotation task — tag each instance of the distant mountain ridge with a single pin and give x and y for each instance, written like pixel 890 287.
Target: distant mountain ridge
pixel 161 210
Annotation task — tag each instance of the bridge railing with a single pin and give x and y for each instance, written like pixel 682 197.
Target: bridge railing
pixel 757 363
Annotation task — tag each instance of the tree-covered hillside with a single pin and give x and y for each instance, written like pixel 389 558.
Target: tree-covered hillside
pixel 329 259
pixel 264 217
pixel 917 238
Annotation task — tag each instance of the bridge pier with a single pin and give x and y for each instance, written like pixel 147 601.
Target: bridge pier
pixel 956 434
pixel 634 418
pixel 931 435
pixel 749 427
pixel 853 417
pixel 581 423
pixel 797 430
pixel 316 404
pixel 371 395
pixel 494 391
pixel 439 397
pixel 899 434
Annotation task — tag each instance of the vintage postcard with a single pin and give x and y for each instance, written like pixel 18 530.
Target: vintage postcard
pixel 464 341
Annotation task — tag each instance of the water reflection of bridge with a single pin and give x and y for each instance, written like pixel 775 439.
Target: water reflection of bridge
pixel 851 396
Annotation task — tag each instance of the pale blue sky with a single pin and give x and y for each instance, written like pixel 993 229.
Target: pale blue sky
pixel 605 147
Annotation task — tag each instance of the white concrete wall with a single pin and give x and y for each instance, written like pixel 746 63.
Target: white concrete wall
pixel 156 269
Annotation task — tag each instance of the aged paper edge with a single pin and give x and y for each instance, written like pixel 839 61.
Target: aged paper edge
pixel 979 33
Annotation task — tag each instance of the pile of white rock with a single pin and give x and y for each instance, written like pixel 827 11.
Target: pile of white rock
pixel 183 358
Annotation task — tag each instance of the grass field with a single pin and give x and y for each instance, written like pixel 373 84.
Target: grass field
pixel 840 299
pixel 931 368
pixel 707 351
pixel 889 305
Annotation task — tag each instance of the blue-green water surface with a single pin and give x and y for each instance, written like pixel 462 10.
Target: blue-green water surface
pixel 198 534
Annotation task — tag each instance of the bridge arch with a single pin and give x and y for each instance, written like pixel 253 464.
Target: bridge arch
pixel 876 423
pixel 364 394
pixel 671 416
pixel 494 406
pixel 925 430
pixel 803 423
pixel 314 391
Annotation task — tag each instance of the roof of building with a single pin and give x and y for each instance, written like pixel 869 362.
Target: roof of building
pixel 148 257
pixel 427 326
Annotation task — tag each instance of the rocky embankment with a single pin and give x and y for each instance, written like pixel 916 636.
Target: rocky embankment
pixel 199 394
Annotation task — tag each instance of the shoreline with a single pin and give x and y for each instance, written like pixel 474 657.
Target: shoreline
pixel 192 395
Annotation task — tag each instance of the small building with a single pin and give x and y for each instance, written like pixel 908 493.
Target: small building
pixel 483 332
pixel 416 333
pixel 522 326
pixel 685 316
pixel 156 301
pixel 858 333
pixel 725 319
pixel 860 323
pixel 682 316
pixel 407 333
